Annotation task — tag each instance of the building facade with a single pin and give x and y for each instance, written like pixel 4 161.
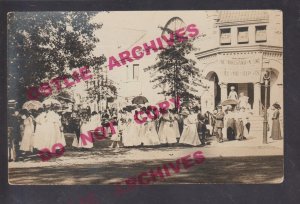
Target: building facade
pixel 246 45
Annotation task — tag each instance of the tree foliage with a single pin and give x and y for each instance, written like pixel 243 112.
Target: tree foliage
pixel 43 45
pixel 175 72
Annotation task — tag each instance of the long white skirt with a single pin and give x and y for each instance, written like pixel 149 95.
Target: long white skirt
pixel 190 135
pixel 84 130
pixel 39 136
pixel 116 136
pixel 166 133
pixel 131 135
pixel 150 136
pixel 88 144
pixel 27 140
pixel 60 137
pixel 176 129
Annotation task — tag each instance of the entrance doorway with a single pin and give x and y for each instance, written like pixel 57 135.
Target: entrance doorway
pixel 246 88
pixel 212 95
pixel 217 89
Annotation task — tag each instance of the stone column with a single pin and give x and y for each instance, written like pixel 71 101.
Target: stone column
pixel 223 87
pixel 257 98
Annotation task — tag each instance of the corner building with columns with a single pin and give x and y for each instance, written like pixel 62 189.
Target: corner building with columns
pixel 244 45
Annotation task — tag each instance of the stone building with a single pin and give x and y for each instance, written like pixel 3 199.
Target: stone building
pixel 244 46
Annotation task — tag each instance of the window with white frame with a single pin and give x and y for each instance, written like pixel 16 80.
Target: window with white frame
pixel 225 36
pixel 261 33
pixel 243 36
pixel 135 74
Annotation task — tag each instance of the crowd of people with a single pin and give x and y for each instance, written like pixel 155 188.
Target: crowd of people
pixel 164 127
pixel 34 130
pixel 30 131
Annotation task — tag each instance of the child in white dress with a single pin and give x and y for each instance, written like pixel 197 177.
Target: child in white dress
pixel 84 129
pixel 27 140
pixel 189 135
pixel 116 137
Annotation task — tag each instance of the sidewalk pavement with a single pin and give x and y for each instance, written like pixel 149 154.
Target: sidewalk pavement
pixel 252 147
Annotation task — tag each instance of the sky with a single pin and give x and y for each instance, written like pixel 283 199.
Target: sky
pixel 122 30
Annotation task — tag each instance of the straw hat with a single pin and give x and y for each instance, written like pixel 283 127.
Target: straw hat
pixel 277 106
pixel 184 113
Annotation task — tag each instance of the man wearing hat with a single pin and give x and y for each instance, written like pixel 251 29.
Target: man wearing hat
pixel 219 123
pixel 233 93
pixel 201 127
pixel 14 132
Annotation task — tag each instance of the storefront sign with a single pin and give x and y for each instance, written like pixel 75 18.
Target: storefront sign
pixel 233 73
pixel 240 61
pixel 241 76
pixel 243 69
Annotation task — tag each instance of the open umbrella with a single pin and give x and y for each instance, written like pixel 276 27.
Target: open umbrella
pixel 29 105
pixel 139 100
pixel 229 102
pixel 51 101
pixel 129 108
pixel 68 100
pixel 65 96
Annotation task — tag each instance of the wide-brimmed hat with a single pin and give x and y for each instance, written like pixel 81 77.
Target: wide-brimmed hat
pixel 229 107
pixel 277 106
pixel 184 113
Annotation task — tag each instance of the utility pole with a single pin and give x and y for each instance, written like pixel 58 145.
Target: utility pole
pixel 265 127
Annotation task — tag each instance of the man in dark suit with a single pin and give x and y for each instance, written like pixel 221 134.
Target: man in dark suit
pixel 14 134
pixel 74 123
pixel 220 123
pixel 202 120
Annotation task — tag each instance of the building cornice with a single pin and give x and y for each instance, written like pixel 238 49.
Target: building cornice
pixel 257 48
pixel 239 23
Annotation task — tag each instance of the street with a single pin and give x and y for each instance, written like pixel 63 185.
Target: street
pixel 228 162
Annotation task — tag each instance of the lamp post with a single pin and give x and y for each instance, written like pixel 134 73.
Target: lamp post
pixel 266 79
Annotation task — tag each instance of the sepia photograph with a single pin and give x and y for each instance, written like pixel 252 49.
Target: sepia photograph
pixel 131 98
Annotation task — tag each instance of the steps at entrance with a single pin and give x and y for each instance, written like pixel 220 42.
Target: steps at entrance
pixel 257 124
pixel 256 127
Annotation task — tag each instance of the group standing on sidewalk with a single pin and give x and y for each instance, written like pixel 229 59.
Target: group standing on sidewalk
pixel 35 130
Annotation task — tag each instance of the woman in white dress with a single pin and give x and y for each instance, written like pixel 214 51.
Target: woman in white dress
pixel 27 140
pixel 54 127
pixel 143 125
pixel 122 126
pixel 116 136
pixel 125 128
pixel 40 130
pixel 60 138
pixel 132 135
pixel 95 120
pixel 175 123
pixel 166 132
pixel 84 129
pixel 189 134
pixel 150 138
